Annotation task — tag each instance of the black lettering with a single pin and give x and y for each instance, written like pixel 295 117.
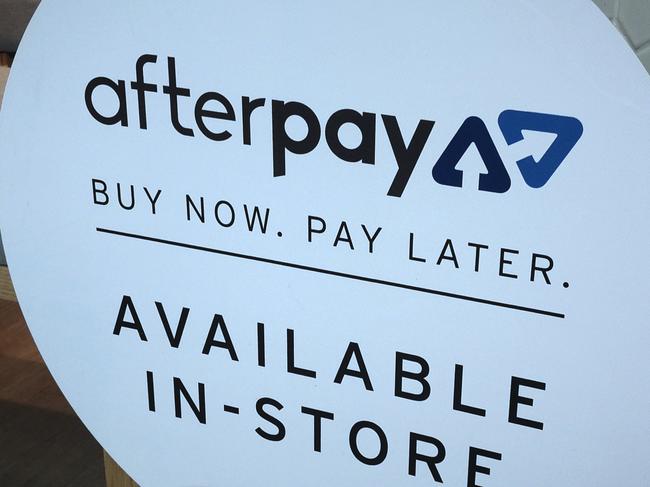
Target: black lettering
pixel 477 258
pixel 406 157
pixel 261 345
pixel 458 395
pixel 365 151
pixel 142 88
pixel 545 269
pixel 174 92
pixel 503 262
pixel 383 443
pixel 199 212
pixel 343 235
pixel 121 115
pixel 353 350
pixel 229 221
pixel 473 467
pixel 151 394
pixel 516 399
pixel 411 254
pixel 449 246
pixel 291 358
pixel 174 337
pixel 180 389
pixel 401 374
pixel 227 344
pixel 248 107
pixel 134 324
pixel 281 112
pixel 371 238
pixel 318 420
pixel 98 191
pixel 311 230
pixel 200 112
pixel 152 199
pixel 131 204
pixel 431 461
pixel 257 217
pixel 259 407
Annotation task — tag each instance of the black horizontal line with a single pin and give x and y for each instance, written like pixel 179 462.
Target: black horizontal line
pixel 328 272
pixel 231 409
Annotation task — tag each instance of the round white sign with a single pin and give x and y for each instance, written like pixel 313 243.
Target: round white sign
pixel 337 243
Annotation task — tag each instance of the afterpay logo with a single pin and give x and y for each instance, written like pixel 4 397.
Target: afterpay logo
pixel 215 116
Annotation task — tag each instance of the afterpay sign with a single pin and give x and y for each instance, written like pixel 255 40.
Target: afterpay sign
pixel 339 243
pixel 406 154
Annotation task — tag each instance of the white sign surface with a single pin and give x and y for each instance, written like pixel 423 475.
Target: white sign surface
pixel 337 243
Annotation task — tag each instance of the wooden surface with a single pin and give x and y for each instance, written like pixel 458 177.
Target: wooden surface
pixel 42 442
pixel 6 289
pixel 25 379
pixel 115 476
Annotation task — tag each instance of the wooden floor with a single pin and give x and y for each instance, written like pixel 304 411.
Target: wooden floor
pixel 42 442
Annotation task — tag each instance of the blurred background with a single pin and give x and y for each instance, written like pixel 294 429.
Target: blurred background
pixel 42 442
